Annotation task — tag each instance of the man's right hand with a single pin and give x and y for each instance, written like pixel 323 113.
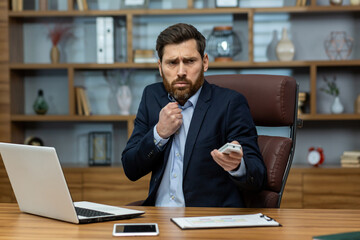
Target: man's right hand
pixel 170 120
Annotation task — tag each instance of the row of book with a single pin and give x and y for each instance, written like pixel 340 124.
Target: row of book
pixel 82 102
pixel 350 159
pixel 18 5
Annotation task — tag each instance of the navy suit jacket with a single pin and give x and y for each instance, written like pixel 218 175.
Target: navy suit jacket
pixel 220 116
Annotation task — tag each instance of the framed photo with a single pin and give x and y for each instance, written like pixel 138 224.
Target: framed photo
pixel 99 148
pixel 227 3
pixel 134 3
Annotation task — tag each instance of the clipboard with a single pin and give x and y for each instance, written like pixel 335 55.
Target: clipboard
pixel 250 220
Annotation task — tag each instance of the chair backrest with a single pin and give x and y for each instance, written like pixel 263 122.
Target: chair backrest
pixel 273 103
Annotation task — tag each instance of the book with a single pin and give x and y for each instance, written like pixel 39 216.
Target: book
pixel 351 154
pixel 85 102
pixel 43 5
pixel 250 220
pixel 79 107
pixel 339 236
pixel 80 5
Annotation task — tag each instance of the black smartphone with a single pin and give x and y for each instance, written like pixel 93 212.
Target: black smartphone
pixel 136 229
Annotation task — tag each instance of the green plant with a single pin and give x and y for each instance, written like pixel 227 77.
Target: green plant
pixel 331 87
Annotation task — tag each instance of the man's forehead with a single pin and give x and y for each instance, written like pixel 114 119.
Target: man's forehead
pixel 187 49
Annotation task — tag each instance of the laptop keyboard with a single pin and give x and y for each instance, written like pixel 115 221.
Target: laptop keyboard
pixel 90 213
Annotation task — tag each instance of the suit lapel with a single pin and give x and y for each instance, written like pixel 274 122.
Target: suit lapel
pixel 201 108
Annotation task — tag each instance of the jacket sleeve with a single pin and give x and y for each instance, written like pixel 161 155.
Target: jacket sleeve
pixel 141 155
pixel 240 127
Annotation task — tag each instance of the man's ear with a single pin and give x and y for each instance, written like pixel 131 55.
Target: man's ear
pixel 206 62
pixel 159 65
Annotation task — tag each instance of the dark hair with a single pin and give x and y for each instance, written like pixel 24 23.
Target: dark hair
pixel 179 33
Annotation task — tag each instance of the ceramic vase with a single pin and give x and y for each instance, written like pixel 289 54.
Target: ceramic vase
pixel 336 106
pixel 285 49
pixel 40 105
pixel 124 99
pixel 271 48
pixel 54 54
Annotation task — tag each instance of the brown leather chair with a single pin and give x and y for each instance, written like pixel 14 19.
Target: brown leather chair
pixel 273 103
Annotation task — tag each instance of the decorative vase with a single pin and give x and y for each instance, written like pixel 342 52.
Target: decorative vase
pixel 336 2
pixel 338 45
pixel 54 54
pixel 336 106
pixel 40 105
pixel 271 48
pixel 354 2
pixel 285 49
pixel 223 43
pixel 124 99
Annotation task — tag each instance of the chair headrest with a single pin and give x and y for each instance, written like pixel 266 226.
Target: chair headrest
pixel 272 98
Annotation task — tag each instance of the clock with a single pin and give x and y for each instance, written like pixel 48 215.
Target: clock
pixel 315 156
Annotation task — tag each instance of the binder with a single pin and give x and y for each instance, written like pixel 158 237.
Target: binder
pixel 250 220
pixel 109 40
pixel 100 39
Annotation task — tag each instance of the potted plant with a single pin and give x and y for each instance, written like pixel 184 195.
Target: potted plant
pixel 333 90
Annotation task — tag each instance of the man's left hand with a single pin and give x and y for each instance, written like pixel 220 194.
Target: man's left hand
pixel 228 162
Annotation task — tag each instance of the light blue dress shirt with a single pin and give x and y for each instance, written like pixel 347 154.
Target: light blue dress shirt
pixel 170 192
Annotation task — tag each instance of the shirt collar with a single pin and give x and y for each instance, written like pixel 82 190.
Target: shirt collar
pixel 192 100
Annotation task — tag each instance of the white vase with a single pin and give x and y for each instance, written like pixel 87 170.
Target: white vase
pixel 336 106
pixel 285 49
pixel 124 99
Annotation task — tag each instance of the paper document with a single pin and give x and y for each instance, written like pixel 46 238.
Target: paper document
pixel 251 220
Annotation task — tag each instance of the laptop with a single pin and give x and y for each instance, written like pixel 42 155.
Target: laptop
pixel 40 187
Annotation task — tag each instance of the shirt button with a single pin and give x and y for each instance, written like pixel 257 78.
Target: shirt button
pixel 174 175
pixel 177 154
pixel 172 197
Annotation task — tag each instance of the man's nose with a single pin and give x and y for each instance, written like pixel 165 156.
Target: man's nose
pixel 181 70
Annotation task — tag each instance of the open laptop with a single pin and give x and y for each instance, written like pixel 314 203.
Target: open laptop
pixel 40 188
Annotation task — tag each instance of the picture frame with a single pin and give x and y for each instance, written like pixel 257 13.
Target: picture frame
pixel 99 148
pixel 227 3
pixel 140 4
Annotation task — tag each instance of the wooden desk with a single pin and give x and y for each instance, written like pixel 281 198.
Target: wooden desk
pixel 297 224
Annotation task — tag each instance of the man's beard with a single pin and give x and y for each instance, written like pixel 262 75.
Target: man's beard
pixel 182 94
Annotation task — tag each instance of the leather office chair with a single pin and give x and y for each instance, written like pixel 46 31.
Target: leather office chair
pixel 273 103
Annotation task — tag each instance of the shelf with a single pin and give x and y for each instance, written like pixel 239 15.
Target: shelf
pixel 65 118
pixel 329 117
pixel 232 64
pixel 124 12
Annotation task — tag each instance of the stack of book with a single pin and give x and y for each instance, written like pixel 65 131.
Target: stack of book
pixel 301 3
pixel 144 56
pixel 350 159
pixel 301 102
pixel 82 102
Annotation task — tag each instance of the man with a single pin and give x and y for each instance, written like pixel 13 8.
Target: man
pixel 180 124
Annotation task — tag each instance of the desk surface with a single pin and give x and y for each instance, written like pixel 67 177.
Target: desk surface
pixel 297 224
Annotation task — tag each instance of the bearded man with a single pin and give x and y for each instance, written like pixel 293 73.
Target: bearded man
pixel 181 123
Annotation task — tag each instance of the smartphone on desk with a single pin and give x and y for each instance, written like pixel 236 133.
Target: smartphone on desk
pixel 135 229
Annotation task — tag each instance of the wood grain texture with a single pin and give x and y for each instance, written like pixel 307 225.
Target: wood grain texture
pixel 297 224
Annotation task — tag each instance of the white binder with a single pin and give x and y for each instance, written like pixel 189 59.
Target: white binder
pixel 100 39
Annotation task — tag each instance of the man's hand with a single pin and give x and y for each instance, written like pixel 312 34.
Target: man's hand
pixel 228 162
pixel 170 120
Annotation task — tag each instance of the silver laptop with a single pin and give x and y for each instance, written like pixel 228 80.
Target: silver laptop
pixel 40 187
